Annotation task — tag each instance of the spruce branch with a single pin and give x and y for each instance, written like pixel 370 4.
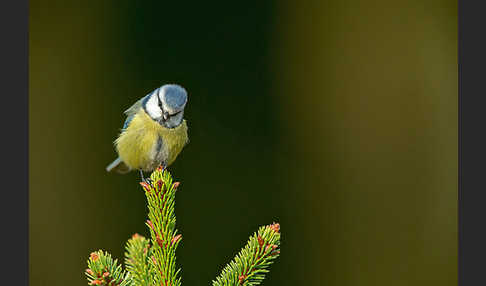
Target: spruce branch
pixel 137 260
pixel 152 262
pixel 103 270
pixel 160 195
pixel 251 264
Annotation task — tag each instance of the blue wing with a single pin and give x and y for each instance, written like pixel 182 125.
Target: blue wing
pixel 130 112
pixel 127 121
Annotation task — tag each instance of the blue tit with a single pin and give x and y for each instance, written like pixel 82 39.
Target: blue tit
pixel 154 132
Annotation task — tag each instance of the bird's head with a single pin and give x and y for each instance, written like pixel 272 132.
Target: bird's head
pixel 166 105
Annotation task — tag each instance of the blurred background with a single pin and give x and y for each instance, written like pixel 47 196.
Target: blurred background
pixel 337 119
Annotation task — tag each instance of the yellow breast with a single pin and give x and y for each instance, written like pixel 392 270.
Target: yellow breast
pixel 138 144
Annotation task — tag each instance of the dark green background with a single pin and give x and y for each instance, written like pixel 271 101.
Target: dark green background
pixel 337 119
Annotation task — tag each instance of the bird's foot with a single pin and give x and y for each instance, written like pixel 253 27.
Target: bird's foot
pixel 146 180
pixel 161 168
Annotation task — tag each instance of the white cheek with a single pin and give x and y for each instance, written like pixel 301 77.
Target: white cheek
pixel 153 108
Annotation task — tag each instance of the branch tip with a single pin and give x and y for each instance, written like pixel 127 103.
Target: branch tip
pixel 94 256
pixel 275 227
pixel 145 186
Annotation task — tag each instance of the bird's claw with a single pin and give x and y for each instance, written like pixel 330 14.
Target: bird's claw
pixel 161 168
pixel 146 180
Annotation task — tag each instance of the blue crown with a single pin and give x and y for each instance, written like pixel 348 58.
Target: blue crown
pixel 175 96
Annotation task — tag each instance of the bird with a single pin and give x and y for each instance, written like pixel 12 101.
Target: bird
pixel 154 132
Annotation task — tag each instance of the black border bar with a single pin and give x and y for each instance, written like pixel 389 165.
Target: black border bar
pixel 472 143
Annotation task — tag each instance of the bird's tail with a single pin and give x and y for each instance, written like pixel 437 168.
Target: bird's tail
pixel 118 166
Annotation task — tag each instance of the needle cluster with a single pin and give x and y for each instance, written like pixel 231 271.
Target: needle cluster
pixel 152 262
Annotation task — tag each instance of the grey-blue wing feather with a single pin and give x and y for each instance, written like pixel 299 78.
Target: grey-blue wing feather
pixel 127 121
pixel 132 110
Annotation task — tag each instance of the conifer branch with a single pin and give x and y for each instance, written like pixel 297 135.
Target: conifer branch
pixel 160 195
pixel 103 270
pixel 153 262
pixel 251 264
pixel 137 260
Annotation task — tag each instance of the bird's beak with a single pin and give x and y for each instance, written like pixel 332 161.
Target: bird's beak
pixel 165 115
